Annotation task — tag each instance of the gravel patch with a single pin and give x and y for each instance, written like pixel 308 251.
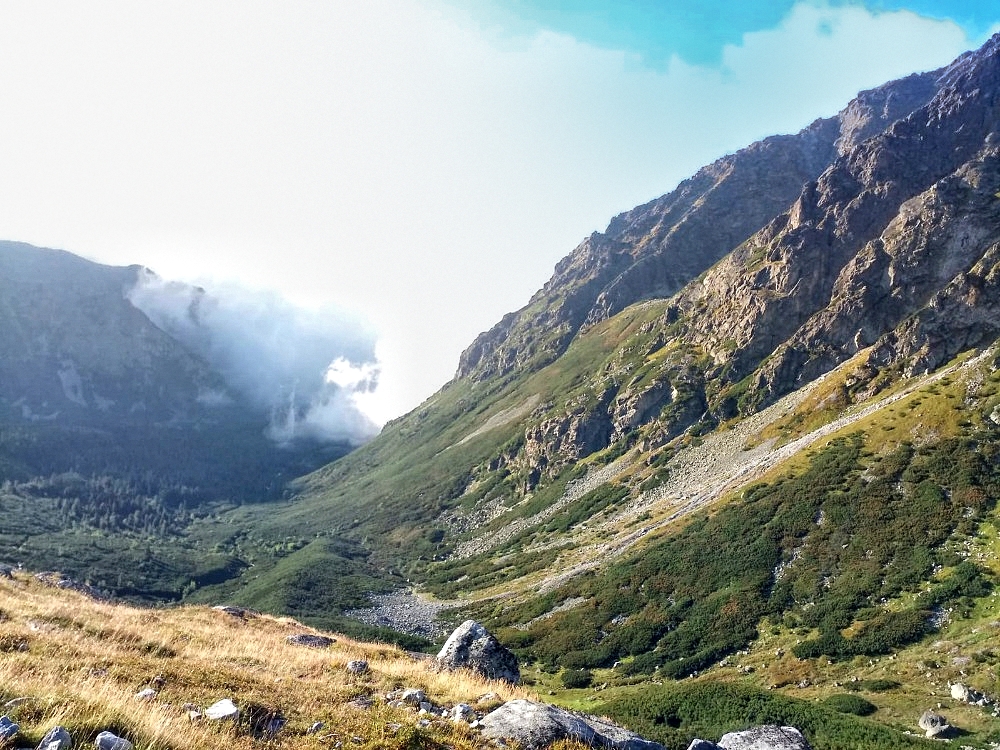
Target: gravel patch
pixel 405 612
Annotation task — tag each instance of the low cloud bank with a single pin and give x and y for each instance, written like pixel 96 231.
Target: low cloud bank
pixel 304 367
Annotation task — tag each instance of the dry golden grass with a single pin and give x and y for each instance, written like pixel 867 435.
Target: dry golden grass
pixel 80 663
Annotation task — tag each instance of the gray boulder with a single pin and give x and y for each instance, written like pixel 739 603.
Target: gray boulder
pixel 463 712
pixel 472 646
pixel 56 738
pixel 536 725
pixel 697 744
pixel 221 710
pixel 8 729
pixel 109 741
pixel 767 737
pixel 357 666
pixel 934 725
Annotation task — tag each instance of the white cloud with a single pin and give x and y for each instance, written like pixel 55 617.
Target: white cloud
pixel 304 367
pixel 390 157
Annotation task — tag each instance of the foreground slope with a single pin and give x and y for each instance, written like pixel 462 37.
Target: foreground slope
pixel 91 666
pixel 72 661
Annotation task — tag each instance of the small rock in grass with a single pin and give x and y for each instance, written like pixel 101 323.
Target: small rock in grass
pixel 463 712
pixel 315 727
pixel 413 696
pixel 224 709
pixel 357 666
pixel 146 694
pixel 8 728
pixel 109 741
pixel 241 612
pixel 310 640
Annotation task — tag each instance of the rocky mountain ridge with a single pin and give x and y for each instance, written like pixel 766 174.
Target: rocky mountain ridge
pixel 655 249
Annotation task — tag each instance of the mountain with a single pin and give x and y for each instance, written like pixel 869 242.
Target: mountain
pixel 114 437
pixel 755 416
pixel 745 440
pixel 76 352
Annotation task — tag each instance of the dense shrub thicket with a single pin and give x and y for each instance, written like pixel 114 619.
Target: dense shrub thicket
pixel 821 549
pixel 675 714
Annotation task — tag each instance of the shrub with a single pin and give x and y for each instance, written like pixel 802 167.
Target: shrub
pixel 577 678
pixel 846 703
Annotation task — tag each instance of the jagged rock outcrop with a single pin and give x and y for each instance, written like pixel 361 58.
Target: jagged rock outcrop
pixel 473 647
pixel 585 427
pixel 533 726
pixel 891 246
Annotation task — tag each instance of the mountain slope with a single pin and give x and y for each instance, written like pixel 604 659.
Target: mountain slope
pixel 551 453
pixel 115 438
pixel 76 352
pixel 655 249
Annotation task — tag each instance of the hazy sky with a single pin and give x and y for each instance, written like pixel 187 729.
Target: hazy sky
pixel 420 163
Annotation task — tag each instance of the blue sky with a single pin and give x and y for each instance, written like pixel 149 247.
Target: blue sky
pixel 421 163
pixel 656 30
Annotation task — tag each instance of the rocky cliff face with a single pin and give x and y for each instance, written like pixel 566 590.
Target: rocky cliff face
pixel 876 228
pixel 897 225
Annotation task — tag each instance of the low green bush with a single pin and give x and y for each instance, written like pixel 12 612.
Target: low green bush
pixel 577 678
pixel 846 703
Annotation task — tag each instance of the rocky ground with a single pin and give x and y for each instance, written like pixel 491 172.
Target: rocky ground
pixel 406 612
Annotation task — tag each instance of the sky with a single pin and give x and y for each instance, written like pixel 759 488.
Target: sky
pixel 412 167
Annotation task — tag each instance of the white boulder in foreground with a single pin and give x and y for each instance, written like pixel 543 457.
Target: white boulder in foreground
pixel 537 725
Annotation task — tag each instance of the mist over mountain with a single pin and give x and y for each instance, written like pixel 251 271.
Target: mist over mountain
pixel 302 367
